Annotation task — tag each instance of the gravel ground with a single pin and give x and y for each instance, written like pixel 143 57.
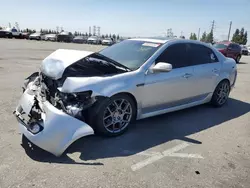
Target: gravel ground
pixel 197 147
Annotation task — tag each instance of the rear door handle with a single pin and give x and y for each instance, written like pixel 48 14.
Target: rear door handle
pixel 187 75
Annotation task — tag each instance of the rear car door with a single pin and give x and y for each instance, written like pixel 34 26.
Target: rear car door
pixel 206 69
pixel 168 89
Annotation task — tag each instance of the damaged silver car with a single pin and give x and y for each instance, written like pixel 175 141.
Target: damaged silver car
pixel 79 93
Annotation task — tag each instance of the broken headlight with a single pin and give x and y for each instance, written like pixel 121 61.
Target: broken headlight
pixel 75 97
pixel 75 103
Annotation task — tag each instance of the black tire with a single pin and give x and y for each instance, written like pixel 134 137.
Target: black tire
pixel 215 101
pixel 97 112
pixel 238 59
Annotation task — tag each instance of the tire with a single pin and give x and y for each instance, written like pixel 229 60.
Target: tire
pixel 221 93
pixel 110 117
pixel 238 59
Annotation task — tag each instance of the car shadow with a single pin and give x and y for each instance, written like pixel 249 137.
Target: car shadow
pixel 242 63
pixel 147 133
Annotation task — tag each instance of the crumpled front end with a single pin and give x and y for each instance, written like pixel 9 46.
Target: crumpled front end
pixel 49 121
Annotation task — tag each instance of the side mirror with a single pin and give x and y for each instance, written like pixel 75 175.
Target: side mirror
pixel 162 67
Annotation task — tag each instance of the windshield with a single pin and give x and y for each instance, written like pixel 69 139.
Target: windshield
pixel 131 53
pixel 220 46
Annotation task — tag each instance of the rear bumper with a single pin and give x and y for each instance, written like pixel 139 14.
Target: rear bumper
pixel 59 129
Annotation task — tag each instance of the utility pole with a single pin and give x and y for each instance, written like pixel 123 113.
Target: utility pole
pixel 89 29
pixel 229 31
pixel 212 28
pixel 199 33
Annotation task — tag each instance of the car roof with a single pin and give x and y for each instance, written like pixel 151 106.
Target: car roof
pixel 165 40
pixel 162 41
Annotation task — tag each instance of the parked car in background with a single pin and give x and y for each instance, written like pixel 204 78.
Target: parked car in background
pixel 10 33
pixel 79 93
pixel 94 40
pixel 107 41
pixel 4 34
pixel 25 35
pixel 65 36
pixel 244 50
pixel 80 39
pixel 248 48
pixel 51 37
pixel 229 49
pixel 35 36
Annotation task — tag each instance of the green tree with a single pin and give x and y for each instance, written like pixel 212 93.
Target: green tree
pixel 210 37
pixel 236 36
pixel 194 36
pixel 106 36
pixel 114 37
pixel 118 37
pixel 204 36
pixel 244 41
pixel 41 30
pixel 191 36
pixel 103 36
pixel 110 36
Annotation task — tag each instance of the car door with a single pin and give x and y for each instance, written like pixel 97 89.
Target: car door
pixel 232 51
pixel 206 69
pixel 169 89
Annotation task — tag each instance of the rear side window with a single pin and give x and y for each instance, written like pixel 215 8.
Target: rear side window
pixel 200 54
pixel 176 55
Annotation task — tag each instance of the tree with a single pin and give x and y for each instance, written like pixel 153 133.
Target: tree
pixel 210 37
pixel 236 36
pixel 110 36
pixel 106 36
pixel 118 37
pixel 194 36
pixel 114 37
pixel 191 36
pixel 204 37
pixel 244 41
pixel 41 30
pixel 86 34
pixel 103 36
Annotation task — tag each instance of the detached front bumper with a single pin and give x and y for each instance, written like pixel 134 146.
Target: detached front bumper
pixel 59 129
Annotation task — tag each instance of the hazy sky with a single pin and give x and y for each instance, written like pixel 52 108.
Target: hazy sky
pixel 129 17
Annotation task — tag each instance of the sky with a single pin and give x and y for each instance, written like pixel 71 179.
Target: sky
pixel 130 18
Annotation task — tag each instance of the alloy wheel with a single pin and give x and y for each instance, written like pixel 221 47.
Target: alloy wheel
pixel 222 93
pixel 117 115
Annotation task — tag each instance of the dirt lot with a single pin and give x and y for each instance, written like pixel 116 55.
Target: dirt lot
pixel 198 147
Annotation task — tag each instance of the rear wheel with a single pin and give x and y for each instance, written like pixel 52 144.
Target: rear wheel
pixel 221 93
pixel 238 59
pixel 112 117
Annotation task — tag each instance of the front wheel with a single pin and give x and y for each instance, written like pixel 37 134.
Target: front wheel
pixel 221 93
pixel 112 117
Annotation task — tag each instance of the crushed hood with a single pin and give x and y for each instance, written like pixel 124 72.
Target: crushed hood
pixel 54 65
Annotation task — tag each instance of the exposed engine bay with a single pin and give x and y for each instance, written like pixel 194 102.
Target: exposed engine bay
pixel 74 104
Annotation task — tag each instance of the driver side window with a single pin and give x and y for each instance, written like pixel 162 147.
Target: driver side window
pixel 176 55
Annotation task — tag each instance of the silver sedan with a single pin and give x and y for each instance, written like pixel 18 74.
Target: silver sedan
pixel 78 93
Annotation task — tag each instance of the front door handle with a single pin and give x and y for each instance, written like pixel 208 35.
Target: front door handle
pixel 215 70
pixel 187 75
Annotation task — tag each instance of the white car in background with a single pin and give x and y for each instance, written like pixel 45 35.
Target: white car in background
pixel 107 41
pixel 36 36
pixel 13 32
pixel 79 93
